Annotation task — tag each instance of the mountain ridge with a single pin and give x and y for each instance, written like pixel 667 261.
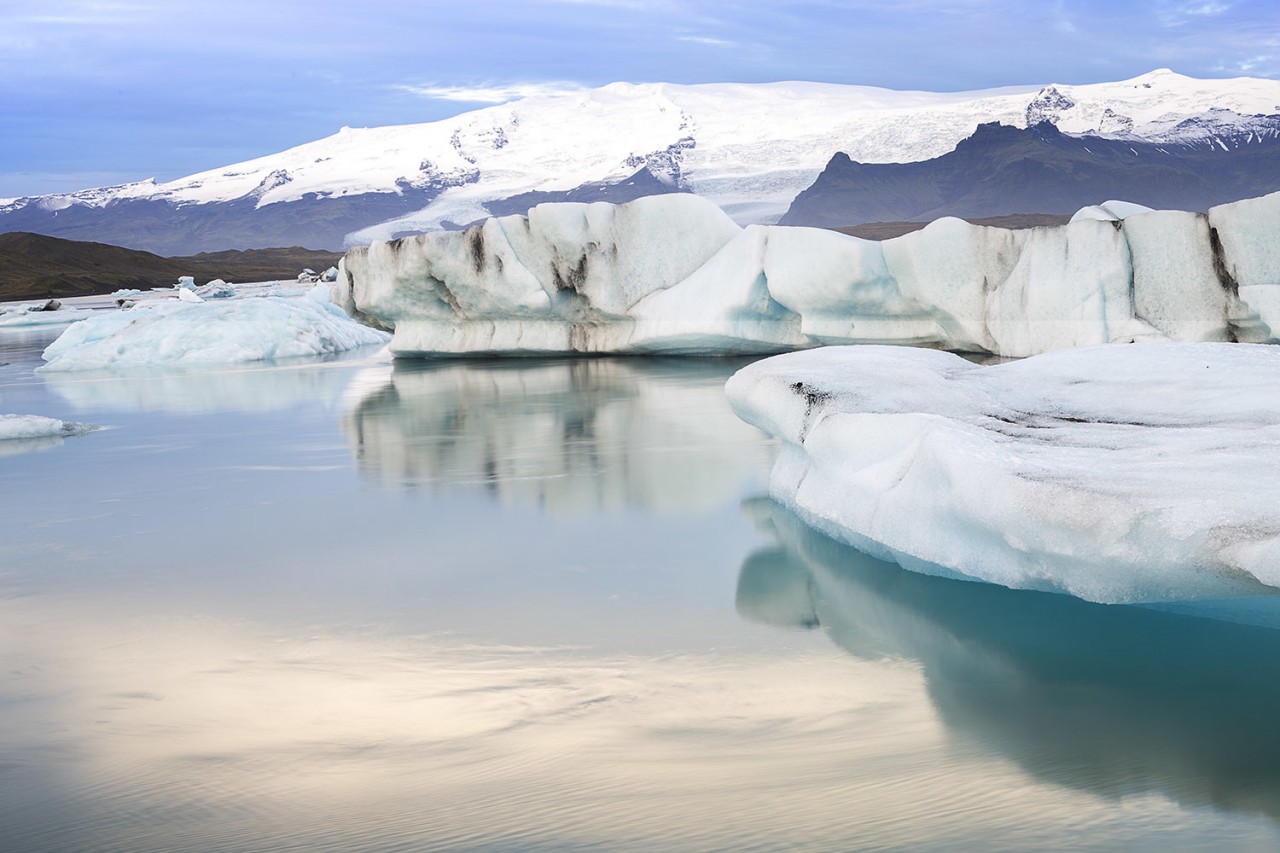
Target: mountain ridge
pixel 1002 170
pixel 751 148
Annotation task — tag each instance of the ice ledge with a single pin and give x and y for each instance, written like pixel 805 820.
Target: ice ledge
pixel 1113 473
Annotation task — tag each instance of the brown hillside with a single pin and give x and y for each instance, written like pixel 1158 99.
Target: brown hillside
pixel 33 266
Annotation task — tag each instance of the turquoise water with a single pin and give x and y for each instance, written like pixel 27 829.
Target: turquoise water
pixel 544 605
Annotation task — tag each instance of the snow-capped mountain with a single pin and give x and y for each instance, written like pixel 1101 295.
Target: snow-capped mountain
pixel 751 148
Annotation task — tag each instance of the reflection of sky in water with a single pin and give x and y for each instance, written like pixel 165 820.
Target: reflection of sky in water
pixel 491 606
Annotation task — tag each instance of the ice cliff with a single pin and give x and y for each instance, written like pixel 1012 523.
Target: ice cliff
pixel 674 274
pixel 1116 474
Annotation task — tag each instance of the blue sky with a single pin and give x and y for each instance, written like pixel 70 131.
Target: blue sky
pixel 94 92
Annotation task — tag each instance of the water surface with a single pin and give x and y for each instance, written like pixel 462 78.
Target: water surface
pixel 543 605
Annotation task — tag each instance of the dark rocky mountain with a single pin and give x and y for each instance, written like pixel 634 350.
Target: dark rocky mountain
pixel 160 226
pixel 642 183
pixel 35 266
pixel 889 230
pixel 1002 170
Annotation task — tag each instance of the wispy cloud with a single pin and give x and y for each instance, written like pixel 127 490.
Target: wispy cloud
pixel 1264 64
pixel 494 93
pixel 1181 14
pixel 1196 10
pixel 708 40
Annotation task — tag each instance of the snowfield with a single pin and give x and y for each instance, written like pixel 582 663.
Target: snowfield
pixel 750 148
pixel 1113 473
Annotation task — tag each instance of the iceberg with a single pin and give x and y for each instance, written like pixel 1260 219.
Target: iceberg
pixel 674 274
pixel 48 313
pixel 222 332
pixel 1115 474
pixel 216 289
pixel 13 427
pixel 26 433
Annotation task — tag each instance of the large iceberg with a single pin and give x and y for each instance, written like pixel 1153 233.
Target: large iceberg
pixel 222 332
pixel 673 273
pixel 1116 474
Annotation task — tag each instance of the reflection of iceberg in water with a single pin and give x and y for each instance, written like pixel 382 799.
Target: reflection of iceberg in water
pixel 248 388
pixel 1114 700
pixel 570 435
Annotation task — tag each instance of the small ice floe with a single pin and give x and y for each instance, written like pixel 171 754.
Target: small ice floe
pixel 216 289
pixel 49 312
pixel 186 282
pixel 126 297
pixel 38 426
pixel 185 295
pixel 25 433
pixel 224 331
pixel 1113 473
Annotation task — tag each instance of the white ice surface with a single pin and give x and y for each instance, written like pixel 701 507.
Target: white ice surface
pixel 216 289
pixel 674 274
pixel 17 427
pixel 22 316
pixel 219 332
pixel 1110 211
pixel 1113 473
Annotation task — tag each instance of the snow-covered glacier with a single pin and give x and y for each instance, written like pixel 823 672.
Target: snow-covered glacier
pixel 751 148
pixel 675 274
pixel 1113 473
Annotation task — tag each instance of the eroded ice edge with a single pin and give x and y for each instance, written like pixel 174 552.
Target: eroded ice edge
pixel 225 331
pixel 674 274
pixel 1113 473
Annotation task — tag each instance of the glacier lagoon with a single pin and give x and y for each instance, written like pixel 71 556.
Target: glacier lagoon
pixel 544 605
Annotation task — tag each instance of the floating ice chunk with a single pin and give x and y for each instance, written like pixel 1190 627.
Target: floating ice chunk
pixel 41 315
pixel 216 289
pixel 27 433
pixel 222 332
pixel 186 282
pixel 126 293
pixel 331 274
pixel 1116 474
pixel 190 296
pixel 14 427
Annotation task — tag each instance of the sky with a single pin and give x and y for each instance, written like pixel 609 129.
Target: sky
pixel 100 92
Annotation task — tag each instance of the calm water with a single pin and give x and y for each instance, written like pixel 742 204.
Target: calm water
pixel 543 606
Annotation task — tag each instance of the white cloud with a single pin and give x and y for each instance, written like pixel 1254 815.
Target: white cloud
pixel 1262 65
pixel 1204 9
pixel 498 93
pixel 1184 13
pixel 708 40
